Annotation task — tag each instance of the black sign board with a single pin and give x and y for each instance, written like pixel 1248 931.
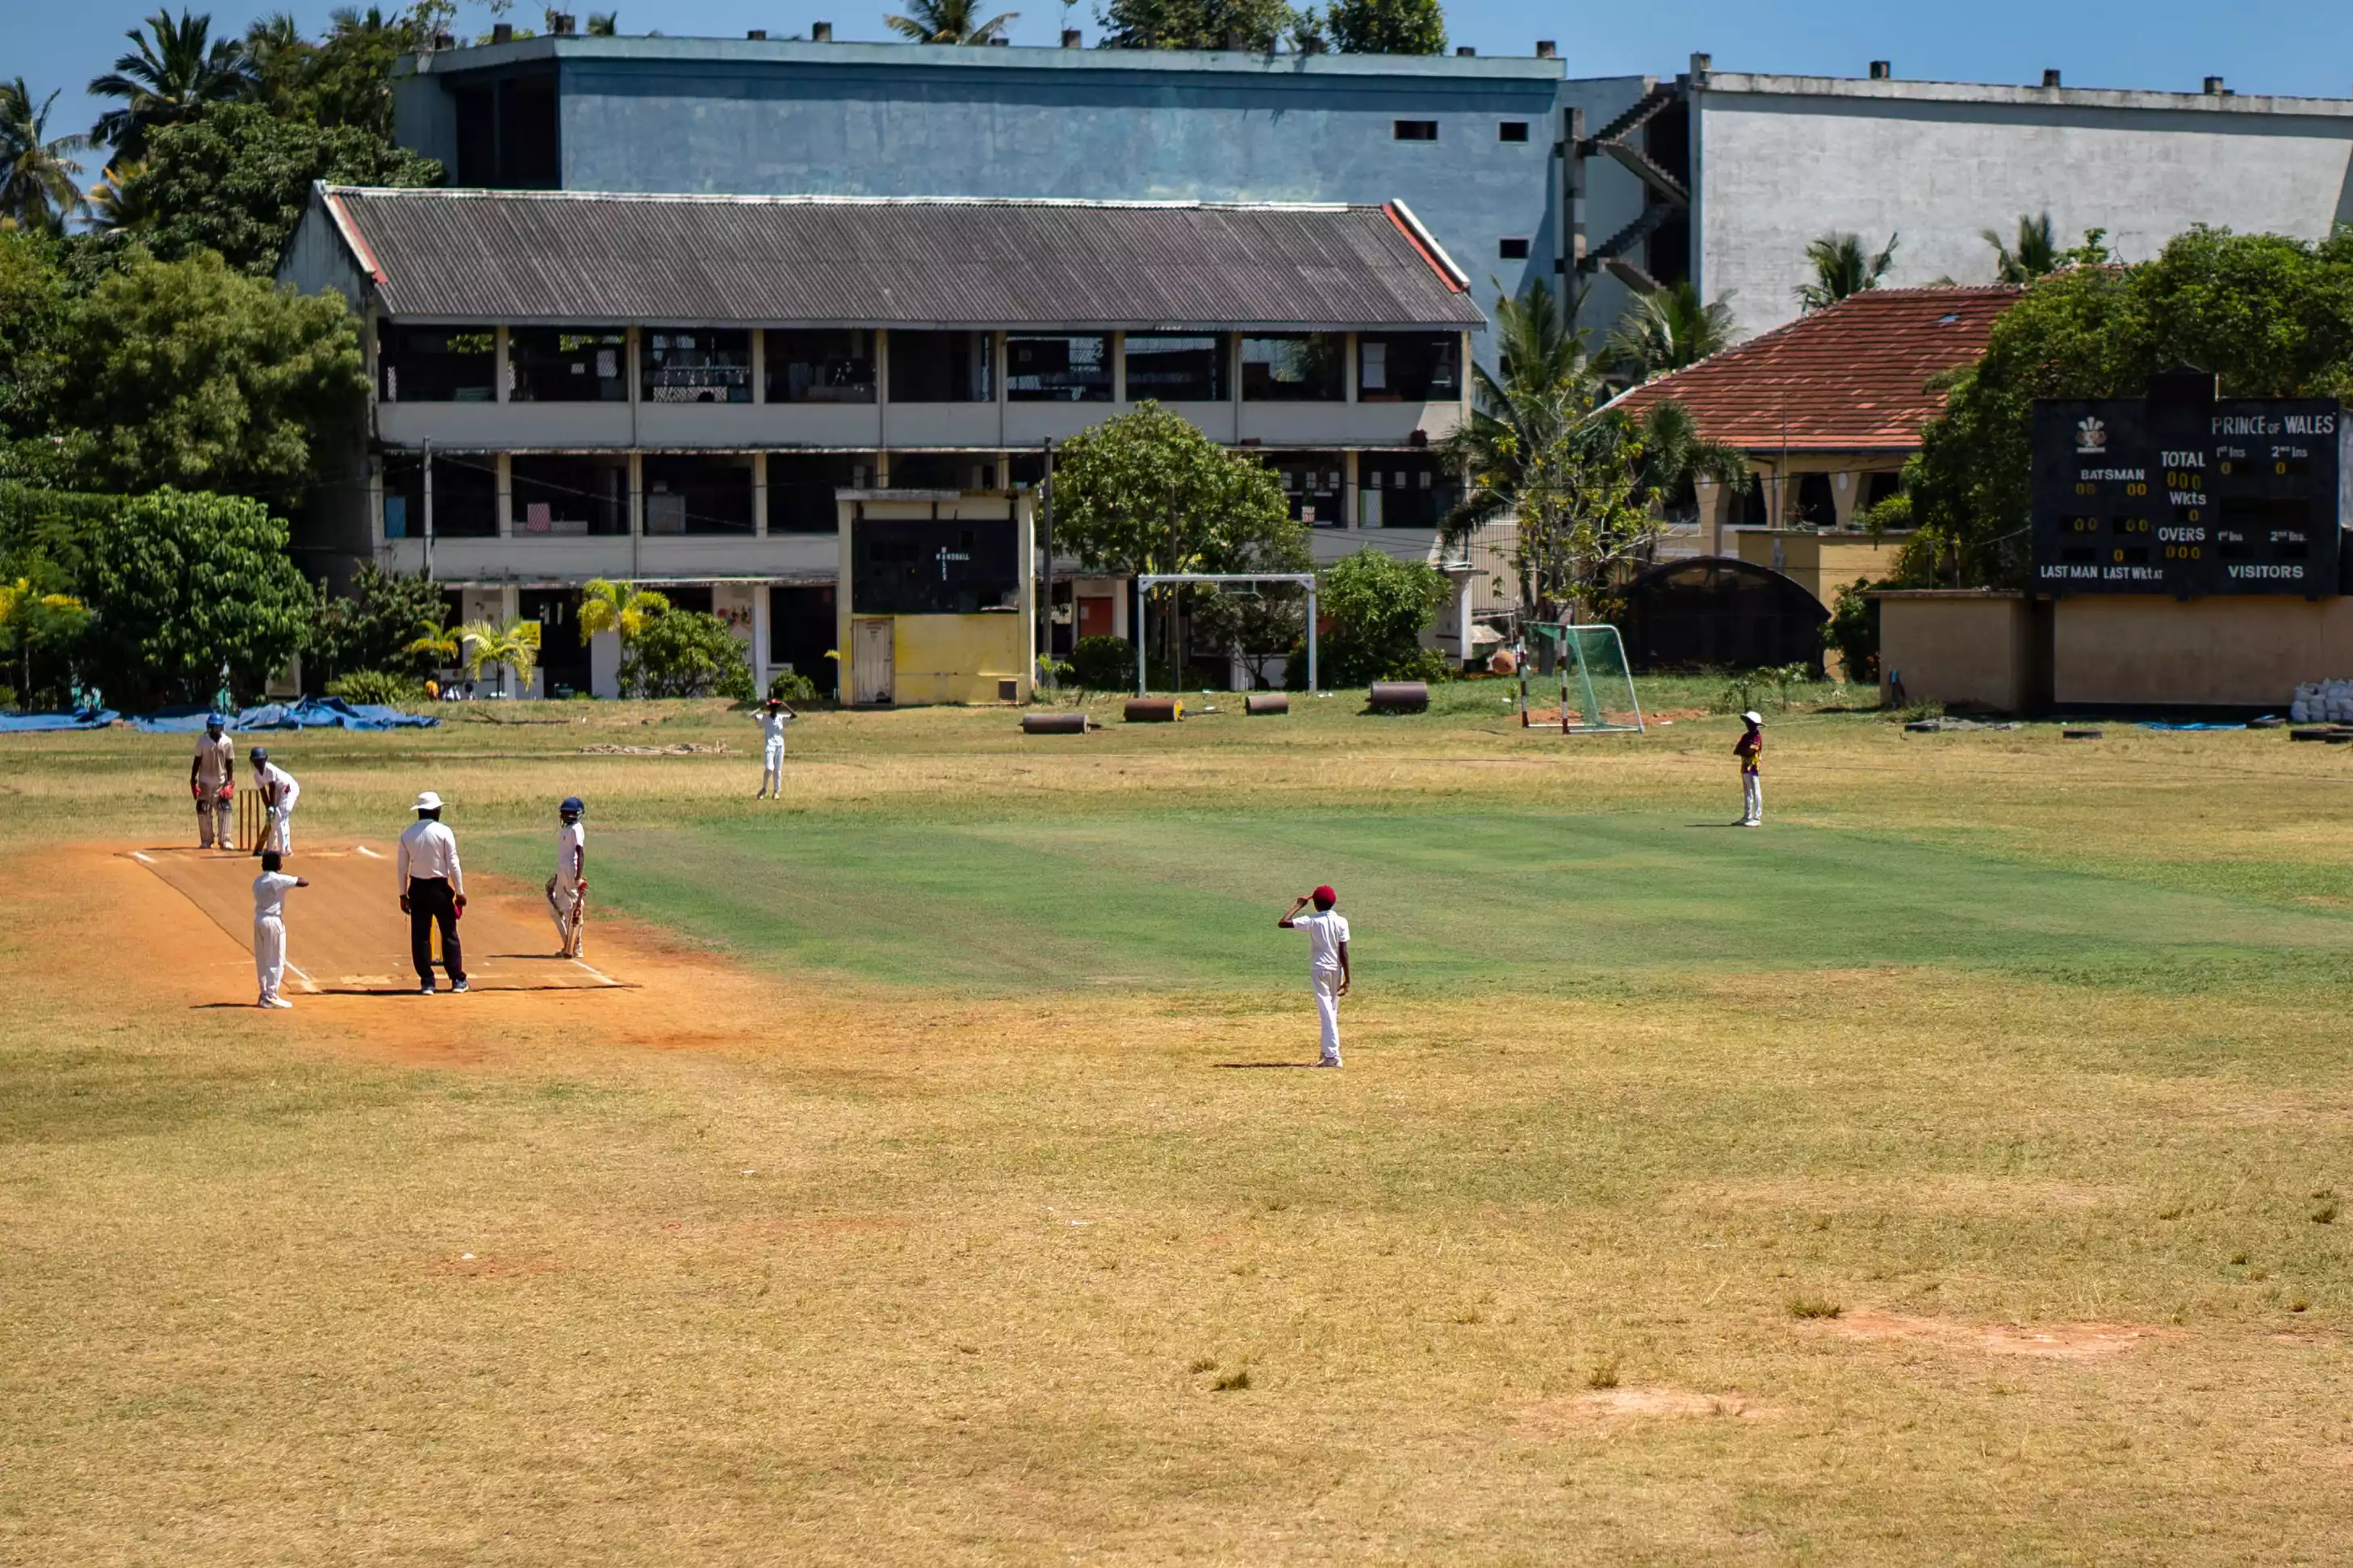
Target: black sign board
pixel 2188 496
pixel 918 567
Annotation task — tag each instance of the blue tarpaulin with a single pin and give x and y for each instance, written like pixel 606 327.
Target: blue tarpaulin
pixel 88 719
pixel 309 713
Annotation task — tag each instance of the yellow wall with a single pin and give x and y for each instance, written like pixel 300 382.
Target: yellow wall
pixel 1821 564
pixel 2251 652
pixel 1965 646
pixel 957 658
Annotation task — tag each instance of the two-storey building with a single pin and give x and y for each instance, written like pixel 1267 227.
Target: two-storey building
pixel 672 389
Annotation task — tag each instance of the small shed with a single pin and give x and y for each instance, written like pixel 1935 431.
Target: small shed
pixel 936 596
pixel 1722 611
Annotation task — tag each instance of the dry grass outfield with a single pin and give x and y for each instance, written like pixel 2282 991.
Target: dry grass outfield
pixel 1862 1266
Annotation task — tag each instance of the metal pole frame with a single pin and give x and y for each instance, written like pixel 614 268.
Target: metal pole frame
pixel 1151 580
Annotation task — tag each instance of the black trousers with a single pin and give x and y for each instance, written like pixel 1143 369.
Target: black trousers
pixel 429 900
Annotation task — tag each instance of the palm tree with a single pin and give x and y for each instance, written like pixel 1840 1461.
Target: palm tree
pixel 603 24
pixel 514 643
pixel 176 69
pixel 1675 454
pixel 36 176
pixel 621 607
pixel 947 22
pixel 1667 330
pixel 2036 255
pixel 1841 267
pixel 277 57
pixel 118 203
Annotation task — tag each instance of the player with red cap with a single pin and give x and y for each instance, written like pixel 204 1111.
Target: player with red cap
pixel 1328 960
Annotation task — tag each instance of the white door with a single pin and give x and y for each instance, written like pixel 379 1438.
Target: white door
pixel 870 662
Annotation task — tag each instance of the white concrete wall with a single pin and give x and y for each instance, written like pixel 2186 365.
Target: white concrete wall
pixel 1782 159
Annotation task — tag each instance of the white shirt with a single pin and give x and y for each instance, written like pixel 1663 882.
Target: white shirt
pixel 428 850
pixel 269 891
pixel 268 774
pixel 570 839
pixel 215 761
pixel 772 727
pixel 1326 933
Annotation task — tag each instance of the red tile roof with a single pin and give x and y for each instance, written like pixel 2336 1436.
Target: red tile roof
pixel 1849 379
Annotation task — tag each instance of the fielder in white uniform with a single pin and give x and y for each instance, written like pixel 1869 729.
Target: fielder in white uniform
pixel 1327 960
pixel 270 891
pixel 279 793
pixel 773 716
pixel 212 779
pixel 571 880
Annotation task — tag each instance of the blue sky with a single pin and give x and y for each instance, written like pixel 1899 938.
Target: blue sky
pixel 2302 49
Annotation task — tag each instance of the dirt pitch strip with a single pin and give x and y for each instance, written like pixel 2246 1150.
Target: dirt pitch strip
pixel 345 932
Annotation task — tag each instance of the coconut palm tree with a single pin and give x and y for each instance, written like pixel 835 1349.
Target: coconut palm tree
pixel 118 203
pixel 513 645
pixel 1842 266
pixel 1667 330
pixel 948 22
pixel 620 608
pixel 2035 255
pixel 36 173
pixel 176 69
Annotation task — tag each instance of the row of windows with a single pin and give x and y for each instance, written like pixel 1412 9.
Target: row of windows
pixel 569 364
pixel 1426 131
pixel 588 495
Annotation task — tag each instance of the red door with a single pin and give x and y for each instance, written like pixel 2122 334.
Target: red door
pixel 1094 617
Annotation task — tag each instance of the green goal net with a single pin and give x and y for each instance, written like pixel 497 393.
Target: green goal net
pixel 1597 685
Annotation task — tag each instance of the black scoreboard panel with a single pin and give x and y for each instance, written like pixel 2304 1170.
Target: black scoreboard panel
pixel 2232 495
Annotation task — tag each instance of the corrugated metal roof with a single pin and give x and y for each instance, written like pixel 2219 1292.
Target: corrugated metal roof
pixel 577 258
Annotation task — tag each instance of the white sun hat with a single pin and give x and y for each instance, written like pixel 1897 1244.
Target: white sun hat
pixel 1754 717
pixel 428 801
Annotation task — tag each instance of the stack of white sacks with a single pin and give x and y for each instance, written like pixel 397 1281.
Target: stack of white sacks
pixel 2323 702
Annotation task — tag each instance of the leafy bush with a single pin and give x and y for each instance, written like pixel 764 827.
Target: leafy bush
pixel 1853 631
pixel 1104 664
pixel 685 653
pixel 378 687
pixel 183 585
pixel 1378 605
pixel 791 685
pixel 376 626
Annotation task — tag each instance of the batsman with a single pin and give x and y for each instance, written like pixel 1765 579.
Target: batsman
pixel 212 780
pixel 568 891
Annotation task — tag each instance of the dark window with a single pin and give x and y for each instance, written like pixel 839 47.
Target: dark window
pixel 1512 130
pixel 820 367
pixel 1024 470
pixel 941 471
pixel 697 365
pixel 567 365
pixel 696 598
pixel 696 494
pixel 563 653
pixel 1416 130
pixel 1177 369
pixel 801 632
pixel 942 367
pixel 528 157
pixel 552 496
pixel 1057 369
pixel 465 495
pixel 1512 250
pixel 925 568
pixel 437 364
pixel 1885 485
pixel 478 136
pixel 1403 489
pixel 801 486
pixel 1815 506
pixel 1409 367
pixel 1299 367
pixel 1313 483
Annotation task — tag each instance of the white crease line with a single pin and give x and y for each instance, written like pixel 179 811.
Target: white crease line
pixel 598 973
pixel 307 984
pixel 143 859
pixel 366 851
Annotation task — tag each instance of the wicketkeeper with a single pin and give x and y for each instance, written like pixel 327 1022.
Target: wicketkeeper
pixel 279 793
pixel 212 780
pixel 567 890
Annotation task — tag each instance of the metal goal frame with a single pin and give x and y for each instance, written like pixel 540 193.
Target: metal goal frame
pixel 1151 580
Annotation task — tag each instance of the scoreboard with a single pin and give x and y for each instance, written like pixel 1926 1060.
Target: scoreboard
pixel 2189 496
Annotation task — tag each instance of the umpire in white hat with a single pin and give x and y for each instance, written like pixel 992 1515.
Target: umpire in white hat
pixel 432 889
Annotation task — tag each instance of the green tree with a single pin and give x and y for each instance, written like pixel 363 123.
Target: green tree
pixel 188 374
pixel 1255 624
pixel 236 181
pixel 1260 24
pixel 277 62
pixel 1842 266
pixel 174 71
pixel 1386 26
pixel 2035 255
pixel 116 206
pixel 1667 330
pixel 33 314
pixel 948 22
pixel 39 620
pixel 1853 631
pixel 349 81
pixel 685 653
pixel 1378 606
pixel 510 644
pixel 376 627
pixel 620 608
pixel 181 585
pixel 36 169
pixel 1147 492
pixel 2271 315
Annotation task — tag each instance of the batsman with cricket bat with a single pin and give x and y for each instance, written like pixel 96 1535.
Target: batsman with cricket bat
pixel 568 891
